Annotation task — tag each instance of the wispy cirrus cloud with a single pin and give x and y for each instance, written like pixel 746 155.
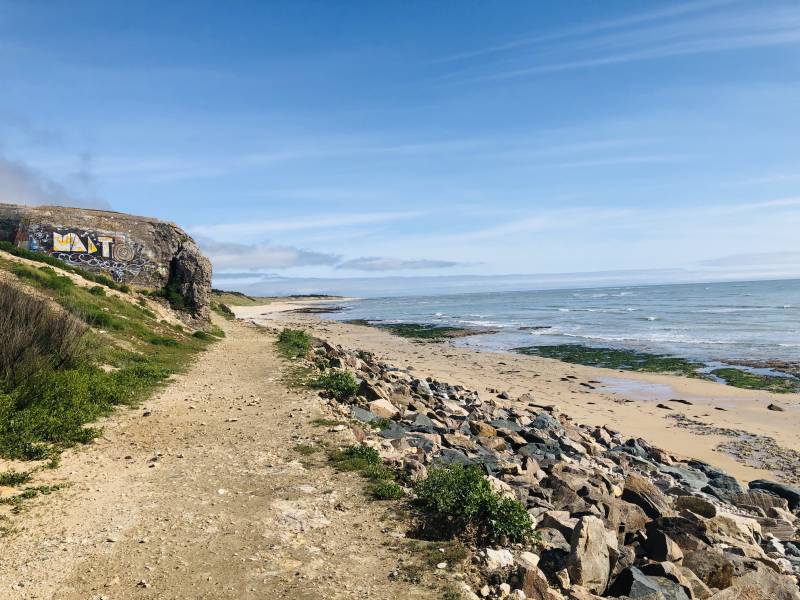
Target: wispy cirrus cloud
pixel 670 32
pixel 322 221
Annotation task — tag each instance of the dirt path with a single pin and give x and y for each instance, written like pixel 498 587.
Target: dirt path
pixel 206 498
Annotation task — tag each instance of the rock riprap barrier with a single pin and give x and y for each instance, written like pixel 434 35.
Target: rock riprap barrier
pixel 142 252
pixel 615 517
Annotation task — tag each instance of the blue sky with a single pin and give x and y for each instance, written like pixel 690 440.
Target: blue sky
pixel 309 142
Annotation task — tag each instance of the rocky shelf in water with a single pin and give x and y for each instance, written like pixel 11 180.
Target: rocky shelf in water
pixel 740 376
pixel 424 332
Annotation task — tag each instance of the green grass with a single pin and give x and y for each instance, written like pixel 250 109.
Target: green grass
pixel 306 449
pixel 14 478
pixel 55 407
pixel 339 384
pixel 223 310
pixel 325 422
pixel 293 343
pixel 754 381
pixel 355 458
pixel 386 490
pixel 612 358
pixel 458 501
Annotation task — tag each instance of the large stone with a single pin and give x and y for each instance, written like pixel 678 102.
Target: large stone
pixel 762 583
pixel 589 563
pixel 697 505
pixel 660 547
pixel 789 492
pixel 383 408
pixel 535 585
pixel 713 569
pixel 635 584
pixel 644 494
pixel 141 252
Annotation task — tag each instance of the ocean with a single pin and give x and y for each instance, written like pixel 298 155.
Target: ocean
pixel 713 322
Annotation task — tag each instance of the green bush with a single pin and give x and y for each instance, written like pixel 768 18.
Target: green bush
pixel 293 343
pixel 158 340
pixel 339 384
pixel 386 490
pixel 14 478
pixel 458 500
pixel 356 458
pixel 97 290
pixel 223 310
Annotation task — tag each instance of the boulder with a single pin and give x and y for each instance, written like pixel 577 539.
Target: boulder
pixel 641 492
pixel 713 569
pixel 660 547
pixel 588 563
pixel 383 408
pixel 697 505
pixel 635 584
pixel 788 492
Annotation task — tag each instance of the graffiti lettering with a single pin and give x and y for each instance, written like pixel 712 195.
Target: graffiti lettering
pixel 107 252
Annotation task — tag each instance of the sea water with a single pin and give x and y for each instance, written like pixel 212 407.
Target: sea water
pixel 725 322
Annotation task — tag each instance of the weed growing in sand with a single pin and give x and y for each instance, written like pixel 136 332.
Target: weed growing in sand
pixel 324 422
pixel 293 343
pixel 306 449
pixel 457 500
pixel 386 490
pixel 355 458
pixel 14 478
pixel 339 384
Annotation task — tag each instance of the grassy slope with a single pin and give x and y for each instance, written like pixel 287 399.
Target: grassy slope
pixel 126 355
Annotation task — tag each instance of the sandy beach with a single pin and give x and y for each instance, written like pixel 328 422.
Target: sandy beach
pixel 624 401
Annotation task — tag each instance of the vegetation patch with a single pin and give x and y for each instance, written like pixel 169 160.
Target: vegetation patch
pixel 293 343
pixel 223 310
pixel 14 478
pixel 457 501
pixel 338 384
pixel 355 458
pixel 754 381
pixel 52 386
pixel 613 358
pixel 425 332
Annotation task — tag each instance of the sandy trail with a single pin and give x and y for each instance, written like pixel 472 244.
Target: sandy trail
pixel 206 498
pixel 624 401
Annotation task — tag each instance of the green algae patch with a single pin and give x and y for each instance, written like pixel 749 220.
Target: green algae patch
pixel 613 358
pixel 754 381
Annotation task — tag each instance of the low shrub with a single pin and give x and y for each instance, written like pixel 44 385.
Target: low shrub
pixel 386 490
pixel 14 478
pixel 223 309
pixel 293 343
pixel 33 337
pixel 97 290
pixel 458 501
pixel 355 458
pixel 339 384
pixel 158 340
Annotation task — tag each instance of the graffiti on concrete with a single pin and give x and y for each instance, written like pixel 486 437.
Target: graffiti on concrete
pixel 113 253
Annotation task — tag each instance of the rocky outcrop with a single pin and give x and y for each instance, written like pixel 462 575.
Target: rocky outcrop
pixel 141 252
pixel 614 517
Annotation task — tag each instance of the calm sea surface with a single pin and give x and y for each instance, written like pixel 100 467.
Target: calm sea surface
pixel 709 322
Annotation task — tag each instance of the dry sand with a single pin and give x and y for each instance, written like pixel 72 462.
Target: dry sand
pixel 624 401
